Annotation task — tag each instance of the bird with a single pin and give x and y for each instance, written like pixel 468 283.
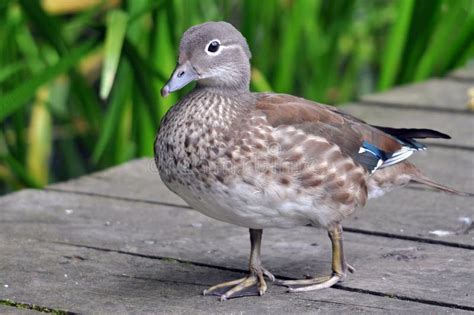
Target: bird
pixel 270 160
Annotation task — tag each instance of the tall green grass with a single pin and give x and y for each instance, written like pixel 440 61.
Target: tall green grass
pixel 79 90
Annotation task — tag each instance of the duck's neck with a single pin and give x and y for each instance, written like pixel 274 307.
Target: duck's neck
pixel 217 106
pixel 235 80
pixel 233 96
pixel 224 90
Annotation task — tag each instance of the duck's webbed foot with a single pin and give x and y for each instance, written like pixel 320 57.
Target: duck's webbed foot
pixel 339 268
pixel 316 283
pixel 251 285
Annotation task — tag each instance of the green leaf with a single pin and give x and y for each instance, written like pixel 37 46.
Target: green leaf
pixel 143 79
pixel 444 41
pixel 162 57
pixel 259 83
pixel 39 139
pixel 15 99
pixel 396 44
pixel 151 6
pixel 19 170
pixel 114 37
pixel 9 70
pixel 123 146
pixel 48 26
pixel 291 40
pixel 145 128
pixel 116 105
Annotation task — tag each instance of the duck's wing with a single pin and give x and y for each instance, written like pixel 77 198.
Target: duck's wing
pixel 369 146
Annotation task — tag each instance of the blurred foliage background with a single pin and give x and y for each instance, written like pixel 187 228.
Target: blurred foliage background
pixel 80 79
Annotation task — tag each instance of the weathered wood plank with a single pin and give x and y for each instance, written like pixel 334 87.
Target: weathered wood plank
pixel 438 94
pixel 385 265
pixel 466 73
pixel 459 126
pixel 90 281
pixel 451 167
pixel 137 179
pixel 405 212
pixel 427 215
pixel 10 310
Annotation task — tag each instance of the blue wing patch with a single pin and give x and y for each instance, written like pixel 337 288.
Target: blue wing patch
pixel 373 158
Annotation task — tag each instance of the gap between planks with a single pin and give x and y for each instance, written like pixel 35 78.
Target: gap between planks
pixel 337 286
pixel 346 229
pixel 33 307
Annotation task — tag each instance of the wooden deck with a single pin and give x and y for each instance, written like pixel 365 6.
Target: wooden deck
pixel 119 242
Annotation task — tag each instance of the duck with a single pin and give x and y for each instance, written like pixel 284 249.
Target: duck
pixel 271 160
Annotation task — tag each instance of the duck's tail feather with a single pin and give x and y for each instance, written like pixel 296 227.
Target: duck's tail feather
pixel 413 132
pixel 428 182
pixel 408 135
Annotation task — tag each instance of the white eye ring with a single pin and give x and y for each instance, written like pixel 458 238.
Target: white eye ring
pixel 212 45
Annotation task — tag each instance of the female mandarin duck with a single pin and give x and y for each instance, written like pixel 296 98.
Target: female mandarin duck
pixel 262 160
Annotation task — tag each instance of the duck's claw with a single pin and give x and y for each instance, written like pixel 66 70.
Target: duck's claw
pixel 251 285
pixel 311 284
pixel 307 281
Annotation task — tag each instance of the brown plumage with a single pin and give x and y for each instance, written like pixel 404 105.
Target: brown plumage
pixel 263 160
pixel 337 127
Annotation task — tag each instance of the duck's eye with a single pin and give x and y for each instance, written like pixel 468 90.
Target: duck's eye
pixel 213 46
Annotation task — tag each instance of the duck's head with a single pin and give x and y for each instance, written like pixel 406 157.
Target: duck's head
pixel 214 54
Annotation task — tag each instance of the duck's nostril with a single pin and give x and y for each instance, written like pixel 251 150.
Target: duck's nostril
pixel 180 74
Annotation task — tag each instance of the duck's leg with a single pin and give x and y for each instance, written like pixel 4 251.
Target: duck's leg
pixel 339 268
pixel 253 284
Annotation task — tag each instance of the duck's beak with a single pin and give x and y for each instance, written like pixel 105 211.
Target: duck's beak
pixel 182 75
